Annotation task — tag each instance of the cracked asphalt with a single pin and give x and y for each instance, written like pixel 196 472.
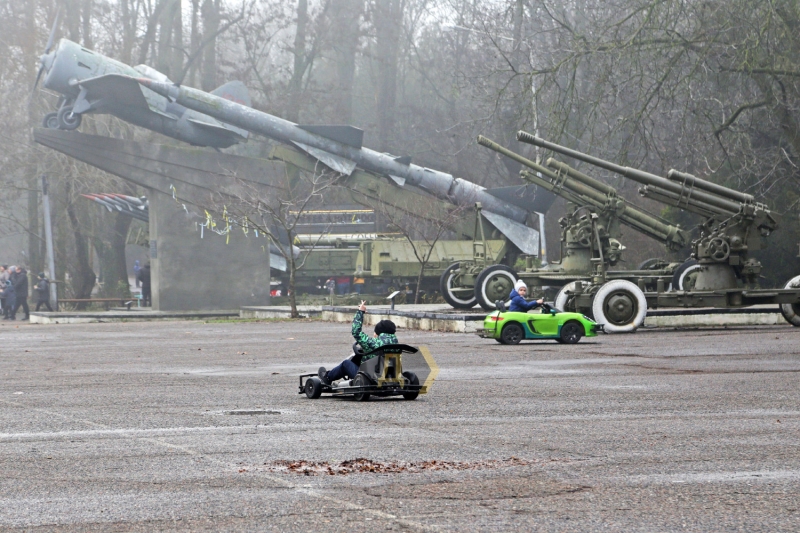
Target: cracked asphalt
pixel 178 426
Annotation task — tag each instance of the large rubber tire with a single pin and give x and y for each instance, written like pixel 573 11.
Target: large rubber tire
pixel 512 333
pixel 445 285
pixel 50 121
pixel 560 301
pixel 361 381
pixel 313 388
pixel 791 312
pixel 682 276
pixel 413 380
pixel 494 283
pixel 571 332
pixel 66 120
pixel 620 305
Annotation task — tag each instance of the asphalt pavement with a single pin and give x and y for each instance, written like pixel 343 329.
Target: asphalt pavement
pixel 192 426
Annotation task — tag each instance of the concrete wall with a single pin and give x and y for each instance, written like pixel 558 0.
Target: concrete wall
pixel 194 273
pixel 187 272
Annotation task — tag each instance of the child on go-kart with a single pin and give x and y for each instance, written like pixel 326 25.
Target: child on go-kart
pixel 384 334
pixel 518 301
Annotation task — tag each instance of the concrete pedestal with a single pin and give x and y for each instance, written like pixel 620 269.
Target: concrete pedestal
pixel 188 272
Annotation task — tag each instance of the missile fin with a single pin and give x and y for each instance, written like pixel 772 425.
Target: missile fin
pixel 277 262
pixel 334 162
pixel 525 238
pixel 398 180
pixel 348 135
pixel 403 160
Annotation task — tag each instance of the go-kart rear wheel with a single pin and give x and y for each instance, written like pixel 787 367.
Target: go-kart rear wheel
pixel 512 333
pixel 412 380
pixel 361 381
pixel 571 332
pixel 313 388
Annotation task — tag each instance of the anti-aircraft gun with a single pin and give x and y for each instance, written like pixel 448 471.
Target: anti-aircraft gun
pixel 589 241
pixel 734 224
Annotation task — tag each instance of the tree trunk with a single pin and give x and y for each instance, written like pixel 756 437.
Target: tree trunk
pixel 292 277
pixel 210 12
pixel 345 22
pixel 300 63
pixel 83 277
pixel 86 21
pixel 388 23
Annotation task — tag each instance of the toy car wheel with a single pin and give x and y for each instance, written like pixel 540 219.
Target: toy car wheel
pixel 465 301
pixel 412 380
pixel 512 333
pixel 571 333
pixel 313 388
pixel 791 312
pixel 361 381
pixel 684 276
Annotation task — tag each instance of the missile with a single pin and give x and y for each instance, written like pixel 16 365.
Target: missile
pixel 339 147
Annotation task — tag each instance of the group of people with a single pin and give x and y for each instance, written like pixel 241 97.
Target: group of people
pixel 14 292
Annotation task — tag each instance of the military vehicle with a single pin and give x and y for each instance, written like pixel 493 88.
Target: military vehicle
pixel 725 277
pixel 589 239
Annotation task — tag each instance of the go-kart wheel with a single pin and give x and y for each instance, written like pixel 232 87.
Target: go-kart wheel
pixel 791 312
pixel 67 120
pixel 684 276
pixel 412 380
pixel 50 121
pixel 313 388
pixel 571 332
pixel 361 381
pixel 492 284
pixel 465 301
pixel 512 333
pixel 620 305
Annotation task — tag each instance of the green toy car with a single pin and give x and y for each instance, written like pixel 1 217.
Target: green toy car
pixel 510 327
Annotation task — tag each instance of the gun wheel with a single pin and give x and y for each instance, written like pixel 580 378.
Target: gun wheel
pixel 685 275
pixel 494 283
pixel 791 312
pixel 620 305
pixel 562 299
pixel 449 292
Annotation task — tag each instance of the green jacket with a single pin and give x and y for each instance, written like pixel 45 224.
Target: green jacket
pixel 368 343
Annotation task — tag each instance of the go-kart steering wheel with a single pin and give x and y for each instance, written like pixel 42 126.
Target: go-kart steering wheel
pixel 357 349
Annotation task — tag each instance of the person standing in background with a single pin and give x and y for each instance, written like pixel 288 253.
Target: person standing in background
pixel 43 293
pixel 3 278
pixel 20 281
pixel 144 277
pixel 136 269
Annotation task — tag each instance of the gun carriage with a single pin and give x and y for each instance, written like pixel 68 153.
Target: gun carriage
pixel 589 239
pixel 724 275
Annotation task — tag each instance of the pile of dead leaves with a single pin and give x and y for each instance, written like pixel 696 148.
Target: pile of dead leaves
pixel 363 465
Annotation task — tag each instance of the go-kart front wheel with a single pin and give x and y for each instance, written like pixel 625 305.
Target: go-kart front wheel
pixel 412 380
pixel 361 381
pixel 512 333
pixel 313 388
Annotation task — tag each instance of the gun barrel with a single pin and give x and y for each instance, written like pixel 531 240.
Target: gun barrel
pixel 488 143
pixel 641 176
pixel 682 201
pixel 651 225
pixel 439 184
pixel 693 181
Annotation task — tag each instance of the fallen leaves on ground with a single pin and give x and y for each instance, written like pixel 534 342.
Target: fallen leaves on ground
pixel 363 465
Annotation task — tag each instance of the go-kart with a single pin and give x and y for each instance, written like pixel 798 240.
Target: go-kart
pixel 510 327
pixel 381 375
